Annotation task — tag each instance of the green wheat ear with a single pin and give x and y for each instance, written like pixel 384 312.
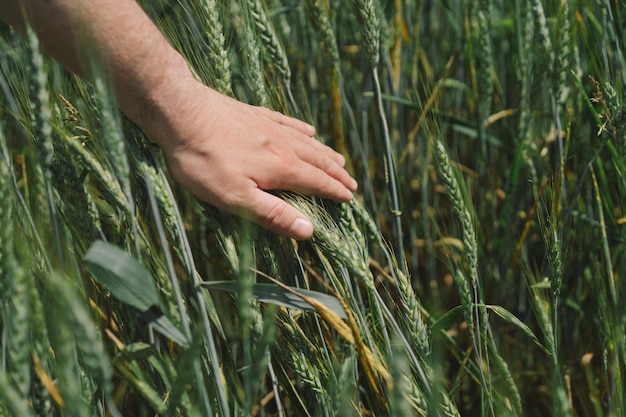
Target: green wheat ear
pixel 252 57
pixel 7 256
pixel 218 54
pixel 12 403
pixel 274 51
pixel 41 110
pixel 455 195
pixel 370 28
pixel 19 327
pixel 319 12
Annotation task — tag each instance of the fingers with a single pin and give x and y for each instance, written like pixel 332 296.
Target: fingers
pixel 328 163
pixel 307 132
pixel 314 151
pixel 291 122
pixel 278 216
pixel 306 179
pixel 295 166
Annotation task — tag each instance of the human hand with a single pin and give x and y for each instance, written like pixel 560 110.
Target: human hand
pixel 225 152
pixel 229 153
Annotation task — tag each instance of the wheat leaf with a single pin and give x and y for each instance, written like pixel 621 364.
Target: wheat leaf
pixel 122 275
pixel 273 294
pixel 510 317
pixel 163 325
pixel 447 319
pixel 132 284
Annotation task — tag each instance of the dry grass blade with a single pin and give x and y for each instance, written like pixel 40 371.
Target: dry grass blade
pixel 346 331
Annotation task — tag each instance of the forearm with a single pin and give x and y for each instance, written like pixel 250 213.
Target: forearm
pixel 143 67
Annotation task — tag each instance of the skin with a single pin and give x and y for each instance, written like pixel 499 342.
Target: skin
pixel 225 152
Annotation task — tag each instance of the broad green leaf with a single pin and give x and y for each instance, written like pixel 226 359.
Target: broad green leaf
pixel 273 294
pixel 122 275
pixel 132 284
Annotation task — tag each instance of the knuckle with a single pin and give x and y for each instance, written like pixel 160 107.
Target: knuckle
pixel 266 142
pixel 234 200
pixel 276 216
pixel 327 164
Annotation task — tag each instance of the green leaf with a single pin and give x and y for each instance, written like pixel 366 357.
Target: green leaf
pixel 131 283
pixel 510 317
pixel 273 294
pixel 164 326
pixel 451 316
pixel 447 319
pixel 122 275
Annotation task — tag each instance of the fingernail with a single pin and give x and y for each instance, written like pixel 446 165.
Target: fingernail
pixel 301 229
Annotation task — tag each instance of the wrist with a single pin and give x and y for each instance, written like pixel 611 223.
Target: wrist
pixel 151 99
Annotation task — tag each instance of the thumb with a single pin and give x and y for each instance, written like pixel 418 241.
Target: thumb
pixel 278 216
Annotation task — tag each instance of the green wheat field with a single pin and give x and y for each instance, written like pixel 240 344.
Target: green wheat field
pixel 477 272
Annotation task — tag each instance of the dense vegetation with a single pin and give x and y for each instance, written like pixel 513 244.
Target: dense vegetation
pixel 478 271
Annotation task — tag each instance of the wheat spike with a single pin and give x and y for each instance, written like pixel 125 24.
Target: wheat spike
pixel 253 64
pixel 41 110
pixel 274 52
pixel 218 55
pixel 370 28
pixel 12 403
pixel 74 324
pixel 73 200
pixel 563 55
pixel 7 257
pixel 484 62
pixel 319 11
pixel 110 186
pixel 18 314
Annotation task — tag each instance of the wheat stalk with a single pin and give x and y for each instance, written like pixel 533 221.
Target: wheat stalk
pixel 370 29
pixel 526 117
pixel 469 238
pixel 41 115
